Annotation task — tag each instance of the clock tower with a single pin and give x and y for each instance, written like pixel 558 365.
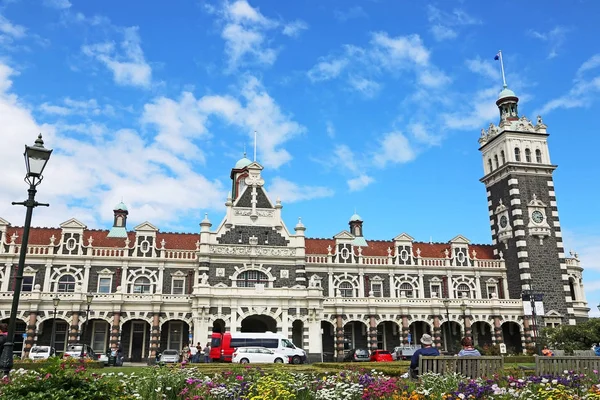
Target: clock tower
pixel 522 207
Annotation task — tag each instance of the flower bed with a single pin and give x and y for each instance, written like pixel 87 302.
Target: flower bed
pixel 61 380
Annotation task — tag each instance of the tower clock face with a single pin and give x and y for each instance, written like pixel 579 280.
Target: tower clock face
pixel 503 221
pixel 537 216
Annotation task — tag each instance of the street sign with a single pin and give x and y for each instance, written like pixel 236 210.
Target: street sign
pixel 503 348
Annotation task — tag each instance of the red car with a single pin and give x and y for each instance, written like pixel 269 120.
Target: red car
pixel 381 355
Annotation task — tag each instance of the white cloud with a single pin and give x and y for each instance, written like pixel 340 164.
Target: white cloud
pixel 441 32
pixel 351 13
pixel 244 32
pixel 128 66
pixel 483 110
pixel 291 192
pixel 83 182
pixel 59 4
pixel 77 107
pixel 444 24
pixel 400 51
pixel 421 134
pixel 294 28
pixel 360 182
pixel 326 70
pixel 583 92
pixel 9 29
pixel 433 78
pixel 330 129
pixel 394 148
pixel 484 68
pixel 364 86
pixel 554 37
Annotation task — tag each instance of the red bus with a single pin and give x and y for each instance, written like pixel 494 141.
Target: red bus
pixel 223 344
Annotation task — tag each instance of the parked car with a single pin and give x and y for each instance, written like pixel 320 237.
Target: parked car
pixel 74 350
pixel 405 352
pixel 103 358
pixel 357 355
pixel 381 355
pixel 41 352
pixel 245 355
pixel 169 356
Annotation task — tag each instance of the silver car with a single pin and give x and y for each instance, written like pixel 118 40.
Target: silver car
pixel 41 352
pixel 169 356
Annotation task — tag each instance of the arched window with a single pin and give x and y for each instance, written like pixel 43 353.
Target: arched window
pixel 407 288
pixel 490 164
pixel 527 155
pixel 251 278
pixel 142 285
pixel 517 154
pixel 502 157
pixel 538 156
pixel 496 160
pixel 572 289
pixel 66 283
pixel 463 290
pixel 346 289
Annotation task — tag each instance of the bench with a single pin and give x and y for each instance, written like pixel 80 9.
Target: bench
pixel 471 367
pixel 558 364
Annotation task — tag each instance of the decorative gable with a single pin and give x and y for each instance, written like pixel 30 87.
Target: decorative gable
pixel 344 236
pixel 3 223
pixel 73 224
pixel 146 227
pixel 403 237
pixel 460 239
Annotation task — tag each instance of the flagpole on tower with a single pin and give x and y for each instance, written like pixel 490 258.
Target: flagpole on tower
pixel 254 146
pixel 502 67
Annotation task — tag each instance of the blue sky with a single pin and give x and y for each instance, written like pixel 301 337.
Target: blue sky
pixel 372 105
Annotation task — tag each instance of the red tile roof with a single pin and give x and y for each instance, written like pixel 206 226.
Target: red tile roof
pixel 187 241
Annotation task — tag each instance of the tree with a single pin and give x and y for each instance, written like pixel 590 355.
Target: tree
pixel 573 337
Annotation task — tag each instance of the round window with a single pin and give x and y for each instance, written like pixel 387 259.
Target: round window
pixel 345 253
pixel 404 255
pixel 71 243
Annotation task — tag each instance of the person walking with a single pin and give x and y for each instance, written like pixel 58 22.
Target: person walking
pixel 425 350
pixel 206 352
pixel 468 349
pixel 3 335
pixel 194 354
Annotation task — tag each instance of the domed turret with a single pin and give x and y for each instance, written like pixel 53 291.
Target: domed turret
pixel 119 228
pixel 355 217
pixel 242 163
pixel 120 207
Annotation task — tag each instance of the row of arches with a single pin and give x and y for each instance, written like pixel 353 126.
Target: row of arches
pixel 526 157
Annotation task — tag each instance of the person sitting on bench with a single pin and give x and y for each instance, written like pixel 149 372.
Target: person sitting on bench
pixel 468 349
pixel 425 350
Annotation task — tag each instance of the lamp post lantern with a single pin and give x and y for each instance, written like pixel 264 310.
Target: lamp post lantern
pixel 55 301
pixel 447 338
pixel 88 299
pixel 463 309
pixel 36 157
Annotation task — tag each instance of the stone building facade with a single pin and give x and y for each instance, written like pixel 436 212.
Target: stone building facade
pixel 154 290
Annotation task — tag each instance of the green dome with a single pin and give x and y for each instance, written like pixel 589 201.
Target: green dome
pixel 120 207
pixel 506 92
pixel 355 217
pixel 242 163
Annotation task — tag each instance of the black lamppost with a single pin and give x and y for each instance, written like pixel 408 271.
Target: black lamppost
pixel 88 298
pixel 463 309
pixel 55 301
pixel 446 304
pixel 36 157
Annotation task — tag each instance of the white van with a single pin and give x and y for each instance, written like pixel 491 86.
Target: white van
pixel 274 341
pixel 41 352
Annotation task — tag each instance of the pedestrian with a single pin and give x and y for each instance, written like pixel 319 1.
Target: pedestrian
pixel 597 349
pixel 468 349
pixel 194 354
pixel 185 353
pixel 425 350
pixel 547 352
pixel 3 335
pixel 206 352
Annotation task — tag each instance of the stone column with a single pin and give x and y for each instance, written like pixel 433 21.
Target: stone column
pixel 467 322
pixel 74 328
pixel 372 333
pixel 115 331
pixel 498 330
pixel 154 338
pixel 437 337
pixel 339 337
pixel 405 329
pixel 31 327
pixel 529 344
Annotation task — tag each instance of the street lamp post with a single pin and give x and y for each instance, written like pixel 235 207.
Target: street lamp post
pixel 36 157
pixel 446 305
pixel 88 298
pixel 55 301
pixel 463 309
